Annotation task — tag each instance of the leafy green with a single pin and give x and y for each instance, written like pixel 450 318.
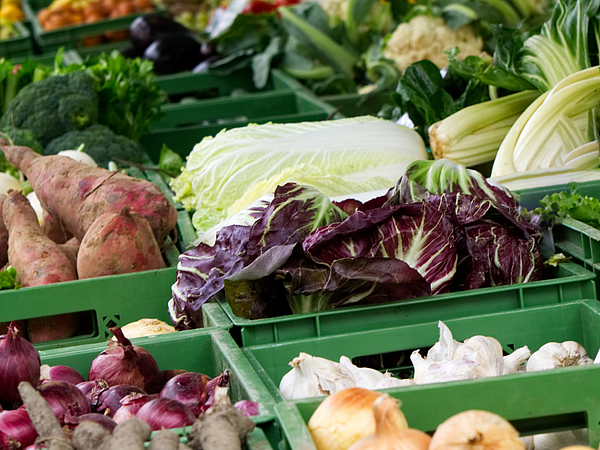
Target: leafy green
pixel 571 204
pixel 8 278
pixel 170 163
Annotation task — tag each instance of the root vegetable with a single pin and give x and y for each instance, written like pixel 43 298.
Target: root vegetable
pixel 118 243
pixel 37 259
pixel 164 440
pixel 129 435
pixel 52 328
pixel 222 427
pixel 40 413
pixel 89 435
pixel 71 248
pixel 78 194
pixel 54 229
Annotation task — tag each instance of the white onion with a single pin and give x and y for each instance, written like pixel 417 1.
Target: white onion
pixel 8 182
pixel 79 156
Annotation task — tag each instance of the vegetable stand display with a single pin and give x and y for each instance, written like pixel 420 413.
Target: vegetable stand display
pixel 205 351
pixel 565 283
pixel 73 36
pixel 530 401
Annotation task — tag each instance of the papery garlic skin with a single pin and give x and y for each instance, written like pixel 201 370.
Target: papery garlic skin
pixel 554 354
pixel 484 350
pixel 444 348
pixel 516 360
pixel 476 430
pixel 436 372
pixel 364 377
pixel 312 376
pixel 392 382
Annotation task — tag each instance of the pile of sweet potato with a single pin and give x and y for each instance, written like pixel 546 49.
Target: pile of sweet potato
pixel 96 222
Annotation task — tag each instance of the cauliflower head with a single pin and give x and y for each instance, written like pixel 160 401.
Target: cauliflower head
pixel 335 8
pixel 428 37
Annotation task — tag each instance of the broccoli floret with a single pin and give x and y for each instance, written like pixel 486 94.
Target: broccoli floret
pixel 54 106
pixel 100 143
pixel 26 138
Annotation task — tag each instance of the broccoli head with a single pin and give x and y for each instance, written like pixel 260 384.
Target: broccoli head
pixel 54 106
pixel 19 136
pixel 100 143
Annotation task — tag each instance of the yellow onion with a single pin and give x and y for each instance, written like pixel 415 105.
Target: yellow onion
pixel 476 430
pixel 345 417
pixel 577 447
pixel 387 434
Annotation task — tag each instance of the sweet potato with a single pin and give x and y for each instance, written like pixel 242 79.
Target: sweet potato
pixel 71 248
pixel 54 229
pixel 77 194
pixel 36 258
pixel 118 243
pixel 52 328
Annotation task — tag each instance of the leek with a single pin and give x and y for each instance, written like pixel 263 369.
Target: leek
pixel 472 135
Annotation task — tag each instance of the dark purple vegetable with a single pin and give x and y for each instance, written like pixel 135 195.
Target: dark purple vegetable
pixel 110 399
pixel 19 361
pixel 101 419
pixel 123 363
pixel 174 53
pixel 92 391
pixel 247 407
pixel 148 27
pixel 165 413
pixel 63 397
pixel 17 425
pixel 156 383
pixel 131 404
pixel 188 388
pixel 60 373
pixel 130 52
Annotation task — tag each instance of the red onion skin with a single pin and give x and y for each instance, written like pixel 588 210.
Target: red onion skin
pixel 157 382
pixel 92 391
pixel 62 373
pixel 111 398
pixel 103 420
pixel 19 361
pixel 63 397
pixel 18 426
pixel 188 388
pixel 123 363
pixel 165 413
pixel 131 405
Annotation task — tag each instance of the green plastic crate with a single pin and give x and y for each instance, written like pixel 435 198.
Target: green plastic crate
pixel 553 400
pixel 17 46
pixel 565 283
pixel 572 237
pixel 352 105
pixel 72 36
pixel 186 124
pixel 47 59
pixel 205 351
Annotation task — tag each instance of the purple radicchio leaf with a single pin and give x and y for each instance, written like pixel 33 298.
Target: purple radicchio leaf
pixel 419 234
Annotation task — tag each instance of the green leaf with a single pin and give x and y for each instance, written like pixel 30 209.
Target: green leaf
pixel 261 63
pixel 170 162
pixel 8 278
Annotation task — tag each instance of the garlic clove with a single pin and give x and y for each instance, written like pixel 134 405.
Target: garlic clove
pixel 515 360
pixel 436 372
pixel 554 354
pixel 364 377
pixel 476 430
pixel 485 350
pixel 445 347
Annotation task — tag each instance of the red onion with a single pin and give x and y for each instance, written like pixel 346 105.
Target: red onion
pixel 123 363
pixel 111 398
pixel 60 373
pixel 63 396
pixel 220 381
pixel 17 425
pixel 157 382
pixel 165 413
pixel 92 391
pixel 188 388
pixel 247 407
pixel 101 419
pixel 19 361
pixel 131 405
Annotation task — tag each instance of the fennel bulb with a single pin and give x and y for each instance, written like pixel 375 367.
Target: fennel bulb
pixel 226 173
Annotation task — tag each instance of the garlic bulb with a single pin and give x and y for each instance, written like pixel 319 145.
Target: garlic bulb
pixel 516 360
pixel 345 417
pixel 364 377
pixel 444 348
pixel 555 354
pixel 484 350
pixel 312 376
pixel 391 382
pixel 476 430
pixel 436 372
pixel 387 434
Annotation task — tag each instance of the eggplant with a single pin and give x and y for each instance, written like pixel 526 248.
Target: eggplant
pixel 149 27
pixel 174 53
